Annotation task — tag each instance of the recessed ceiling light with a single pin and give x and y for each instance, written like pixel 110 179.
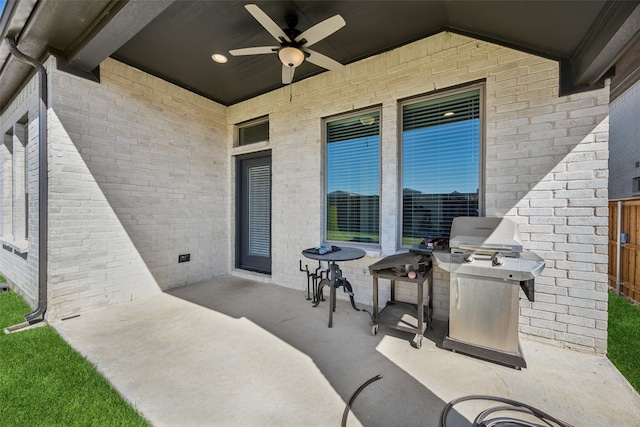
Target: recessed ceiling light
pixel 219 58
pixel 449 114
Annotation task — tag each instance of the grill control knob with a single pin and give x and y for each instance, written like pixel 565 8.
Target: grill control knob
pixel 497 259
pixel 468 257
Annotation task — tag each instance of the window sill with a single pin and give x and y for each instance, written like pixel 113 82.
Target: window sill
pixel 18 246
pixel 374 253
pixel 370 251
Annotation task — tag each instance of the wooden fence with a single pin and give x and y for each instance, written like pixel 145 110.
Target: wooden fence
pixel 630 251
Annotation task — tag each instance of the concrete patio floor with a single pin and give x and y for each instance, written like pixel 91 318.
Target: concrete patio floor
pixel 234 352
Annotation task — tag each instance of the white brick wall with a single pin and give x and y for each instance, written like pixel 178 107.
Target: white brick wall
pixel 545 167
pixel 138 176
pixel 19 257
pixel 142 171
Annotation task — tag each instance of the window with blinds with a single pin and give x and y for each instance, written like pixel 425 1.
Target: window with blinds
pixel 353 178
pixel 441 142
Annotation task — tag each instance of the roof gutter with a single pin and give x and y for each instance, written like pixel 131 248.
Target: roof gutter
pixel 43 181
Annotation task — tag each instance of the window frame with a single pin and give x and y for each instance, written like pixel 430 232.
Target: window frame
pixel 250 123
pixel 325 176
pixel 442 93
pixel 7 187
pixel 21 181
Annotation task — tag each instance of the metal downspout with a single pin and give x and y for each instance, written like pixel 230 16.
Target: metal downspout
pixel 43 182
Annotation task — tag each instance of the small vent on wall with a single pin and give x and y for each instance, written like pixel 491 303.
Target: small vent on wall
pixel 636 185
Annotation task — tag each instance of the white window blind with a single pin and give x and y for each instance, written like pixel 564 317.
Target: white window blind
pixel 353 178
pixel 259 210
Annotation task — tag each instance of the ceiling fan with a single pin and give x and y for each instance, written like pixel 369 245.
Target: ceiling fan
pixel 293 44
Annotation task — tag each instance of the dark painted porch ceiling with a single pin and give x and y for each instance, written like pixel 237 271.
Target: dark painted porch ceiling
pixel 174 40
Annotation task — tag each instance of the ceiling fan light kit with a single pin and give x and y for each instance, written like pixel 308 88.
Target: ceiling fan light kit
pixel 293 49
pixel 291 56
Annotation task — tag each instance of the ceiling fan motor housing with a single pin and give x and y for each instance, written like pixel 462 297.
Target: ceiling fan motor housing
pixel 292 32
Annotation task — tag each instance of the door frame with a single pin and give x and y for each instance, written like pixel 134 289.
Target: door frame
pixel 240 204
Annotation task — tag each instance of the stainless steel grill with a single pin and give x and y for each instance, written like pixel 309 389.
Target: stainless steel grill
pixel 487 266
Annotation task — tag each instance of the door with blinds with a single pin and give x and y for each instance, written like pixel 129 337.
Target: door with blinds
pixel 253 241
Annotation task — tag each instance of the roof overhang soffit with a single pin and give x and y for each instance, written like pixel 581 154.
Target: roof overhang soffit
pixel 617 28
pixel 116 25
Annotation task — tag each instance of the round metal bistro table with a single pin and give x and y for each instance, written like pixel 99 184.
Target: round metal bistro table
pixel 335 274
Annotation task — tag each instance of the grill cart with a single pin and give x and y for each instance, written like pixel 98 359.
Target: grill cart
pixel 414 268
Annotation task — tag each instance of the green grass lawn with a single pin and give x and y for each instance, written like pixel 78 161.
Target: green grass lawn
pixel 44 382
pixel 624 338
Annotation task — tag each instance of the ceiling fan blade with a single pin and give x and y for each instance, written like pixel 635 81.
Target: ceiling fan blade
pixel 321 30
pixel 254 50
pixel 267 22
pixel 287 74
pixel 323 61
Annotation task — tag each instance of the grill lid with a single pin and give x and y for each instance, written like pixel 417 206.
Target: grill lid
pixel 485 234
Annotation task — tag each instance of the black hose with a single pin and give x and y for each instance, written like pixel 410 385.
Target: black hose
pixel 321 286
pixel 349 290
pixel 514 406
pixel 345 414
pixel 373 322
pixel 481 418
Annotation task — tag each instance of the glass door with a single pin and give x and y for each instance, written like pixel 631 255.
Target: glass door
pixel 253 241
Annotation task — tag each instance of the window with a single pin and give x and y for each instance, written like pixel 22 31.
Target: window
pixel 20 182
pixel 353 178
pixel 253 131
pixel 441 145
pixel 14 185
pixel 7 186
